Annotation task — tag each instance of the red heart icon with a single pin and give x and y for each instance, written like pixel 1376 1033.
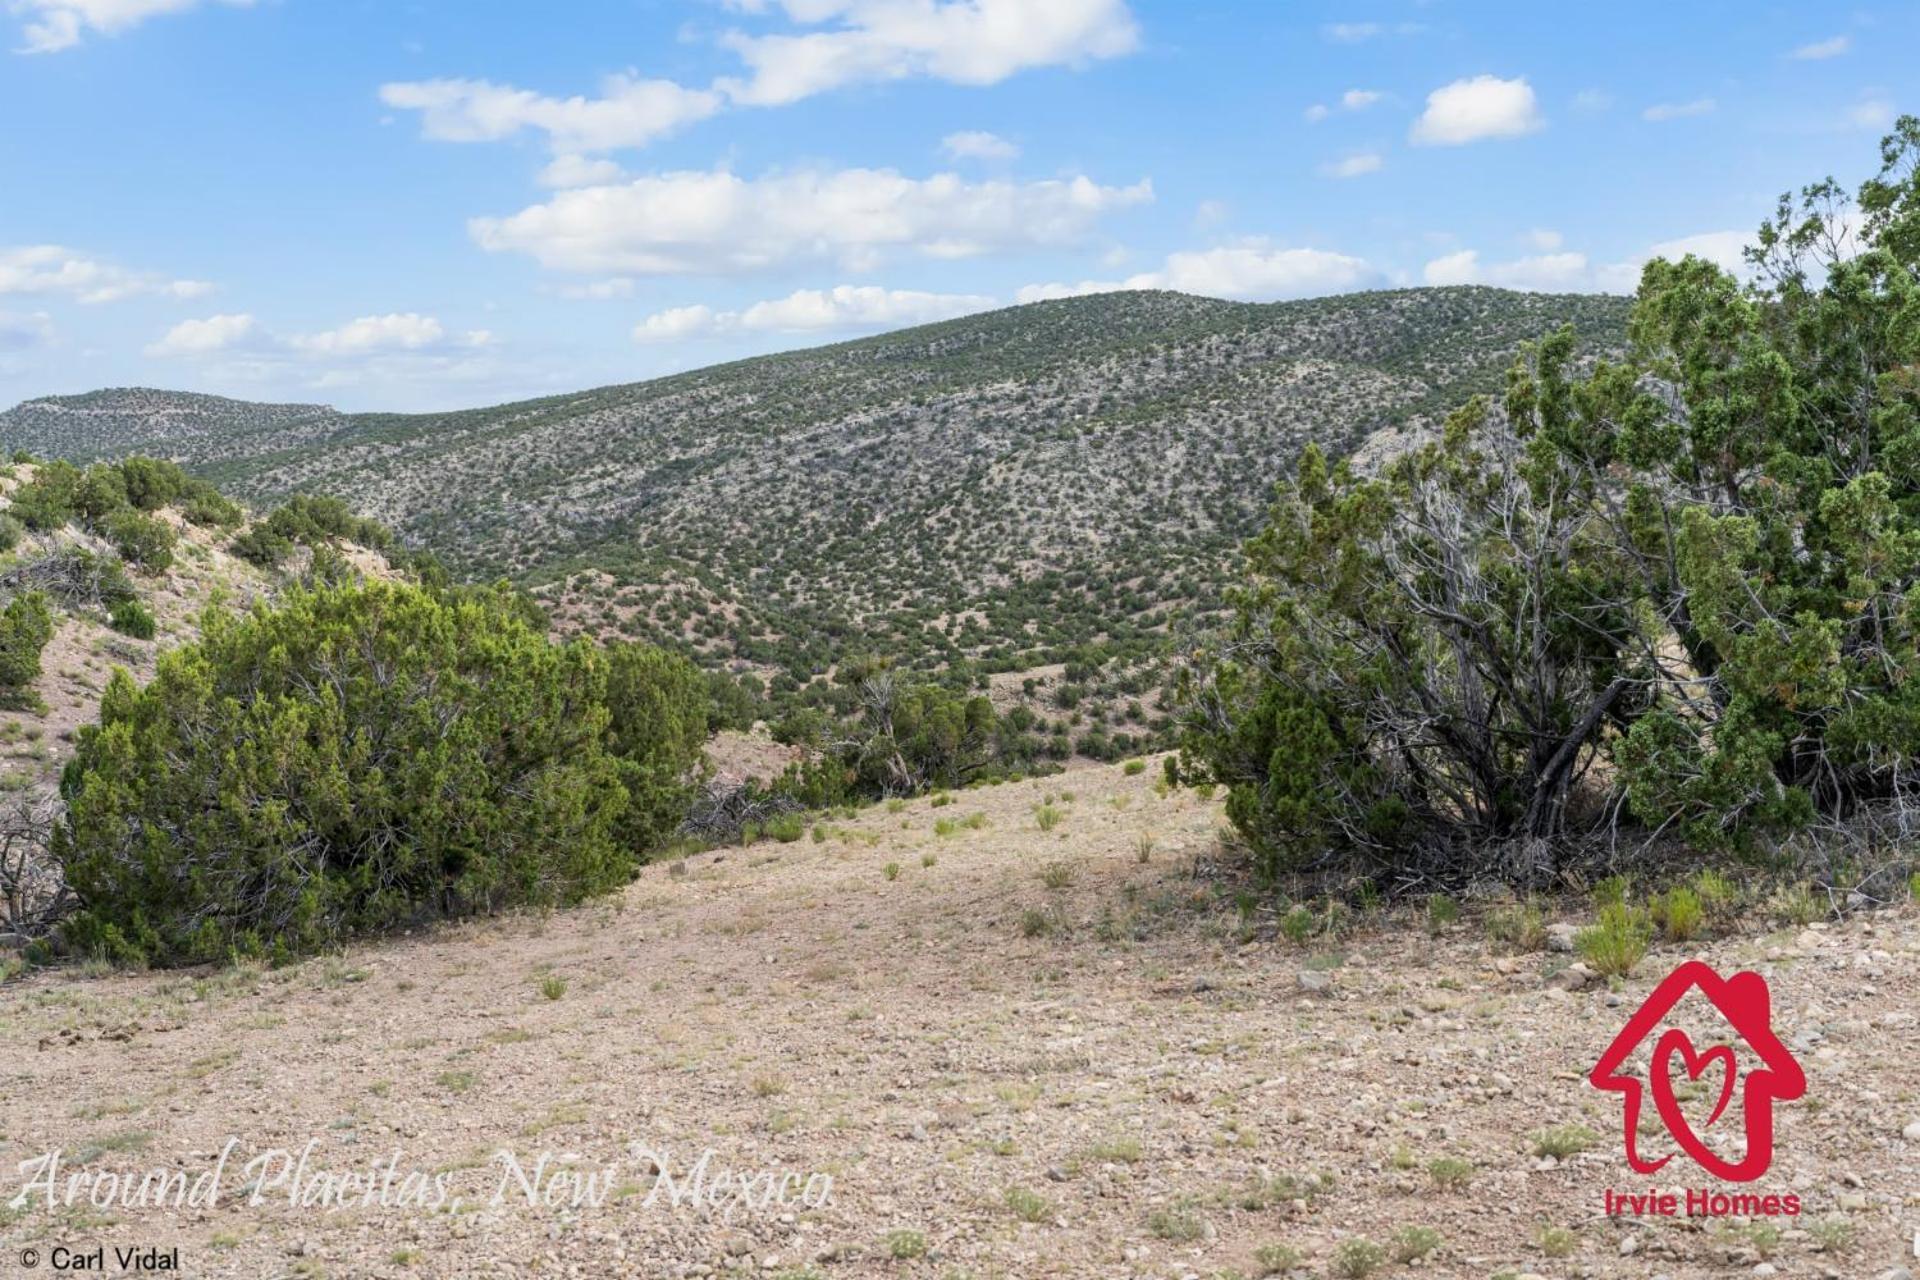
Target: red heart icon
pixel 1674 1042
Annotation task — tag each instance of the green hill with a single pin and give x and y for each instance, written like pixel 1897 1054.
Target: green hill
pixel 1006 487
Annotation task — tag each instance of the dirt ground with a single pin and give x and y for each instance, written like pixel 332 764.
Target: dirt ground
pixel 1015 1053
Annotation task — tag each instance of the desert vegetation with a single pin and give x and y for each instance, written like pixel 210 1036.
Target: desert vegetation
pixel 1674 590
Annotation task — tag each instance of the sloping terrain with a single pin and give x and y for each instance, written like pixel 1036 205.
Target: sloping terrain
pixel 1104 1070
pixel 36 736
pixel 1028 479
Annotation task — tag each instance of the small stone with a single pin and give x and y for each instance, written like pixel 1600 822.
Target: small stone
pixel 1766 1269
pixel 1912 1132
pixel 1561 936
pixel 1314 982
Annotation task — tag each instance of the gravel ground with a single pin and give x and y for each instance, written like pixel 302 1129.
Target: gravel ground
pixel 1016 1054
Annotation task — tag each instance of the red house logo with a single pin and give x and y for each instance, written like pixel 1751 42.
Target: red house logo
pixel 1745 1002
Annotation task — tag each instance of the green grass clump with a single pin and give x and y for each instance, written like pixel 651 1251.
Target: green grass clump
pixel 1028 1206
pixel 903 1246
pixel 1048 816
pixel 1617 942
pixel 1357 1259
pixel 1410 1244
pixel 1450 1173
pixel 1563 1140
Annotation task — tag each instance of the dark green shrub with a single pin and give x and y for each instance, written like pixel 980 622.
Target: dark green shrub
pixel 357 759
pixel 100 493
pixel 131 618
pixel 141 540
pixel 206 506
pixel 25 627
pixel 152 483
pixel 262 546
pixel 10 533
pixel 48 501
pixel 657 729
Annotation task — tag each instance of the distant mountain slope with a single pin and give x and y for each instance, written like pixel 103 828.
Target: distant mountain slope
pixel 1032 478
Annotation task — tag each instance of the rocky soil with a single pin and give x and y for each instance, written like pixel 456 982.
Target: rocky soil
pixel 1016 1053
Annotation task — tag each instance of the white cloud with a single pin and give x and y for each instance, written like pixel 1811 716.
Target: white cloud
pixel 1351 100
pixel 51 269
pixel 1255 269
pixel 1353 166
pixel 1480 107
pixel 1662 111
pixel 1358 32
pixel 400 331
pixel 716 222
pixel 1561 271
pixel 53 25
pixel 674 324
pixel 815 310
pixel 1832 47
pixel 1462 267
pixel 199 337
pixel 966 41
pixel 978 144
pixel 630 112
pixel 1544 240
pixel 571 170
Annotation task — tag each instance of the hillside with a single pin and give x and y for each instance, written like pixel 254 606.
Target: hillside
pixel 1028 479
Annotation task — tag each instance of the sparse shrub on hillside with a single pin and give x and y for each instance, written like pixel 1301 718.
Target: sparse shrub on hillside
pixel 10 531
pixel 25 627
pixel 355 759
pixel 48 501
pixel 140 540
pixel 131 618
pixel 259 545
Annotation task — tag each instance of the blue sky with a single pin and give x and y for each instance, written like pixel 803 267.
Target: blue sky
pixel 439 203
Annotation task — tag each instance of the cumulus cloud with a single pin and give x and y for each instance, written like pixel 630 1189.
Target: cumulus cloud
pixel 200 337
pixel 1832 47
pixel 51 269
pixel 1564 271
pixel 53 25
pixel 718 223
pixel 978 144
pixel 814 310
pixel 1253 270
pixel 397 334
pixel 629 112
pixel 1663 111
pixel 399 331
pixel 1353 166
pixel 1481 107
pixel 965 41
